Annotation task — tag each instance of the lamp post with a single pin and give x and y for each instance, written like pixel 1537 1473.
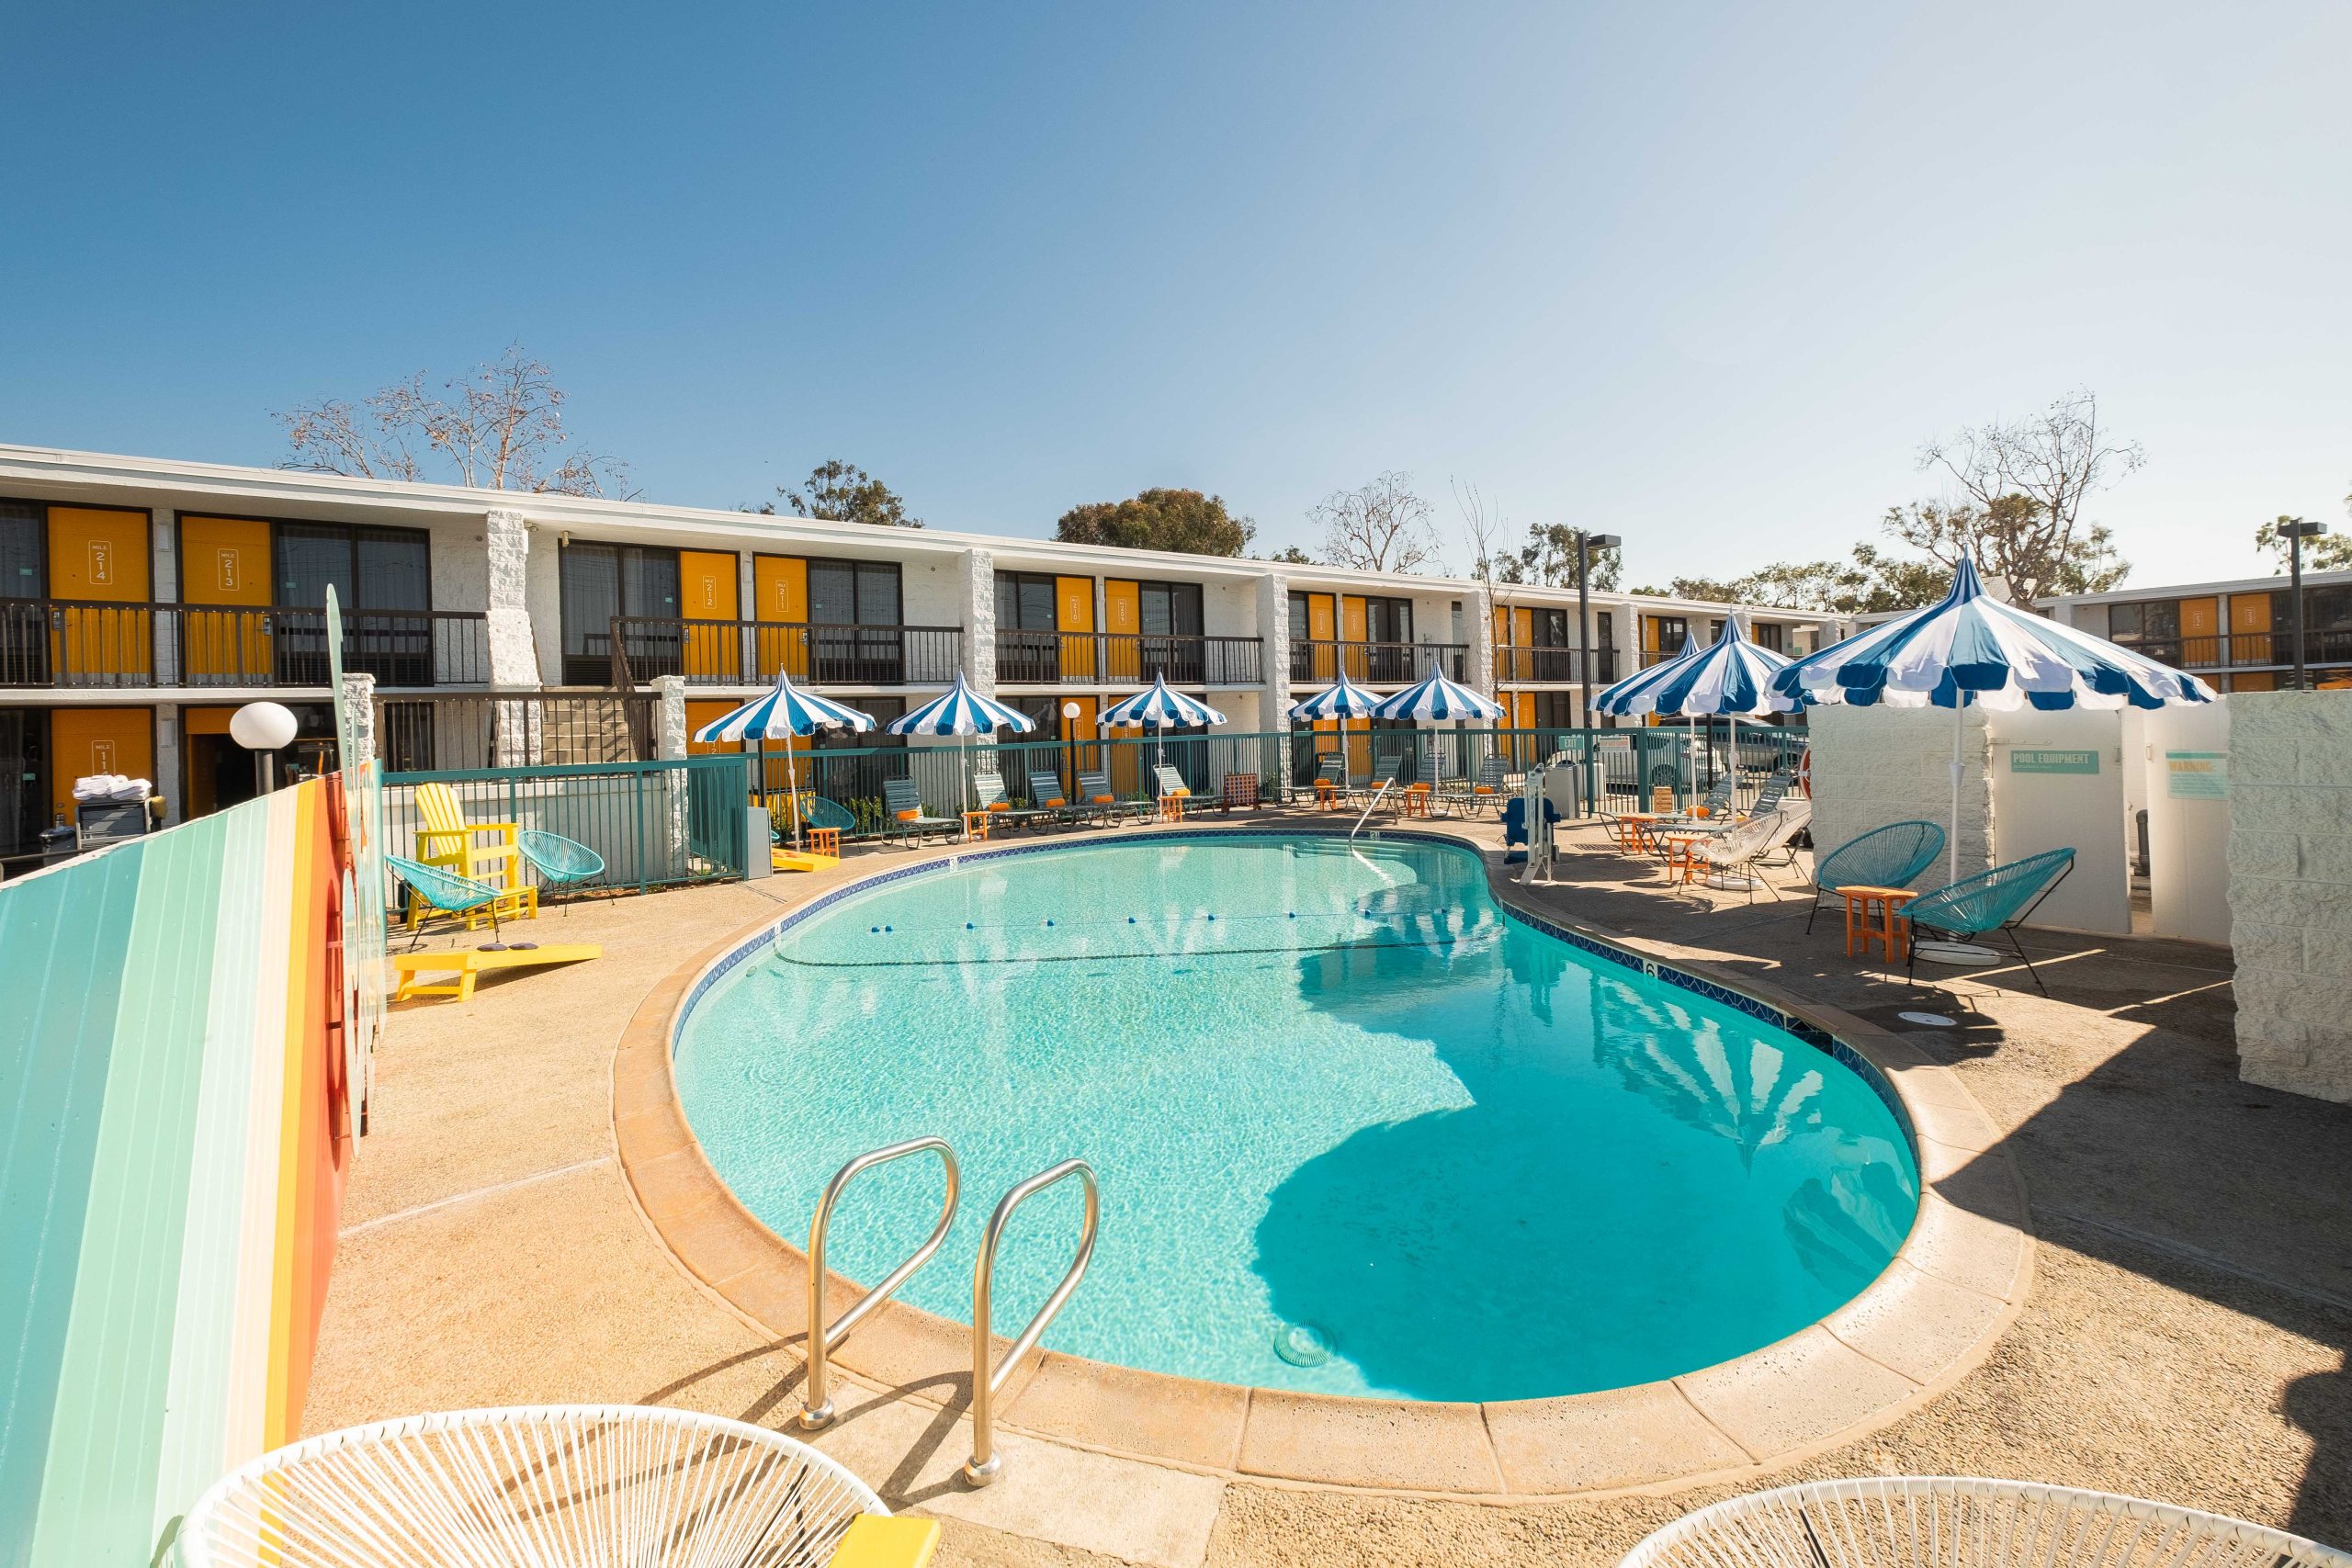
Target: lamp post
pixel 2295 530
pixel 1069 755
pixel 1586 545
pixel 262 729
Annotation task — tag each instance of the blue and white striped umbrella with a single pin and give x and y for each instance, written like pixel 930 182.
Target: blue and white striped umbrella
pixel 779 714
pixel 1618 698
pixel 1730 676
pixel 962 711
pixel 1436 699
pixel 1343 701
pixel 783 711
pixel 1974 648
pixel 1971 648
pixel 1161 708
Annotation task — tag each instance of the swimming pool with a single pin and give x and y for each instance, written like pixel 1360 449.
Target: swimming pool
pixel 1359 1130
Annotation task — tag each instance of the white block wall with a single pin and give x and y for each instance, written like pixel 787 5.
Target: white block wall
pixel 1876 765
pixel 2291 888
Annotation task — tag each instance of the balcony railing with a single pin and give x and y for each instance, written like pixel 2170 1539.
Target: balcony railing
pixel 2245 650
pixel 66 643
pixel 1391 663
pixel 1126 659
pixel 738 653
pixel 1534 665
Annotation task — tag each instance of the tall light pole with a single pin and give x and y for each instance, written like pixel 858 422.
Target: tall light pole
pixel 1586 545
pixel 2295 530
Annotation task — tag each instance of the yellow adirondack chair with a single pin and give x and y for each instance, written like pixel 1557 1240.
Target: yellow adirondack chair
pixel 444 838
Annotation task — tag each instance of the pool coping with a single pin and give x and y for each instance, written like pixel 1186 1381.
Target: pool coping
pixel 1932 1315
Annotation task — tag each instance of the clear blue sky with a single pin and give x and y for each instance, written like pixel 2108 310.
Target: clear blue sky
pixel 1706 276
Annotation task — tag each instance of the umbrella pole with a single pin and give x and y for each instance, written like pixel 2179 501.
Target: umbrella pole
pixel 791 782
pixel 1959 734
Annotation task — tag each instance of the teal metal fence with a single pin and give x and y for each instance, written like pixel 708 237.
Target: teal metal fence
pixel 1622 766
pixel 655 824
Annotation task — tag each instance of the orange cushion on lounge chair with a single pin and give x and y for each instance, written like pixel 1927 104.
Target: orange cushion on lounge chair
pixel 910 816
pixel 1002 806
pixel 1106 800
pixel 1481 789
pixel 1056 803
pixel 1178 792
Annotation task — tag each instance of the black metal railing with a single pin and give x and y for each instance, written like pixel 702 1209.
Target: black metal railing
pixel 2245 650
pixel 734 653
pixel 1390 662
pixel 68 643
pixel 1074 659
pixel 516 730
pixel 1524 665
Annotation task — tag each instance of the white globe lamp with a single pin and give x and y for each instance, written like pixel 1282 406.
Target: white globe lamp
pixel 262 729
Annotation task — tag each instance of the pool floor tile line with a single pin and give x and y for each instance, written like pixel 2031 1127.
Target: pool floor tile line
pixel 1755 1414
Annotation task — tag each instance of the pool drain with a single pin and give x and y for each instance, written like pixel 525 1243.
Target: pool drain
pixel 1931 1020
pixel 1302 1345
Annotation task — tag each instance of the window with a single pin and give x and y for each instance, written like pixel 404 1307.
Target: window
pixel 1716 630
pixel 406 737
pixel 1556 710
pixel 1169 609
pixel 2153 620
pixel 22 523
pixel 1771 635
pixel 1604 644
pixel 1672 632
pixel 1298 622
pixel 853 593
pixel 601 581
pixel 370 569
pixel 1027 650
pixel 1388 620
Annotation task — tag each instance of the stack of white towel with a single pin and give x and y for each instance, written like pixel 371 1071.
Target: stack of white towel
pixel 112 787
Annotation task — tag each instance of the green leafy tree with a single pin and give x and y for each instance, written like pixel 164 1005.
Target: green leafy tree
pixel 1289 554
pixel 1183 521
pixel 836 492
pixel 1708 588
pixel 2327 553
pixel 1549 558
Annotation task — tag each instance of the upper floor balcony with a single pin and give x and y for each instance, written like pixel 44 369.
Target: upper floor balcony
pixel 2245 650
pixel 88 644
pixel 638 648
pixel 1127 658
pixel 1389 663
pixel 1535 666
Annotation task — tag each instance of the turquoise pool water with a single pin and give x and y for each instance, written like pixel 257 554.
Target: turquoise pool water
pixel 1356 1131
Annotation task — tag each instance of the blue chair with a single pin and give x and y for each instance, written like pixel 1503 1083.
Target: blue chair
pixel 1994 901
pixel 436 890
pixel 1883 857
pixel 565 863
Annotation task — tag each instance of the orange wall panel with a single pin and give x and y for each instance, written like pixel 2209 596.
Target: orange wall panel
pixel 82 741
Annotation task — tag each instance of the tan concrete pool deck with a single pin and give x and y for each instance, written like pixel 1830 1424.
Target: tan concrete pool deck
pixel 2183 1336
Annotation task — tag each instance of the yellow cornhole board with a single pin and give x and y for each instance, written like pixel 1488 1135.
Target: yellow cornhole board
pixel 875 1540
pixel 794 860
pixel 469 963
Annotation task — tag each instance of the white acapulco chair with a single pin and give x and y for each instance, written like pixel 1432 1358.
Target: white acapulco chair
pixel 532 1486
pixel 1944 1521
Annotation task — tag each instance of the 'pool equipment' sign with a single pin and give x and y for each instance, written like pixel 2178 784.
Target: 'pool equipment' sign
pixel 2047 761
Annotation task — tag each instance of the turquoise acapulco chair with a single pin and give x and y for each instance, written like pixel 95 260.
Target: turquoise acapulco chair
pixel 1883 857
pixel 564 863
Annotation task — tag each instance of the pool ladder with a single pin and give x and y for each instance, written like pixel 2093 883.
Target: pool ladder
pixel 988 1374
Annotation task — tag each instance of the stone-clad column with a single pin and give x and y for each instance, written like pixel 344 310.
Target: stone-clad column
pixel 1273 636
pixel 513 660
pixel 671 692
pixel 975 572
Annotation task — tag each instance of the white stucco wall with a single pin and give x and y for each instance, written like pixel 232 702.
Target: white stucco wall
pixel 1876 765
pixel 2291 888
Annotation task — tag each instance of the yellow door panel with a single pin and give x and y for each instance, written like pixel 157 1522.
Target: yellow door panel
pixel 1074 612
pixel 1322 669
pixel 99 555
pixel 2250 632
pixel 1526 710
pixel 706 591
pixel 225 561
pixel 2257 680
pixel 97 741
pixel 780 593
pixel 1123 618
pixel 1351 625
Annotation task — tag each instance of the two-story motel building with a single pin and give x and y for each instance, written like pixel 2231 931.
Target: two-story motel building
pixel 142 600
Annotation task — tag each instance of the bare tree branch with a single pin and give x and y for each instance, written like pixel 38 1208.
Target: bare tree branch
pixel 1382 526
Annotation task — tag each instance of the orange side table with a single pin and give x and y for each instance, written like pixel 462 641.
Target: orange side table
pixel 1171 808
pixel 975 825
pixel 825 841
pixel 1327 795
pixel 1893 931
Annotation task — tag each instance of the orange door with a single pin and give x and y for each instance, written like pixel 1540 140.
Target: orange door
pixel 1351 625
pixel 225 561
pixel 2250 625
pixel 99 555
pixel 203 730
pixel 1322 669
pixel 1074 614
pixel 2200 631
pixel 707 592
pixel 1526 710
pixel 1123 618
pixel 1503 667
pixel 82 741
pixel 2258 681
pixel 780 593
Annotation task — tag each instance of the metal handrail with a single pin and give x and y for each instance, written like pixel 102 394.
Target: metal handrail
pixel 985 1463
pixel 816 1406
pixel 1371 805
